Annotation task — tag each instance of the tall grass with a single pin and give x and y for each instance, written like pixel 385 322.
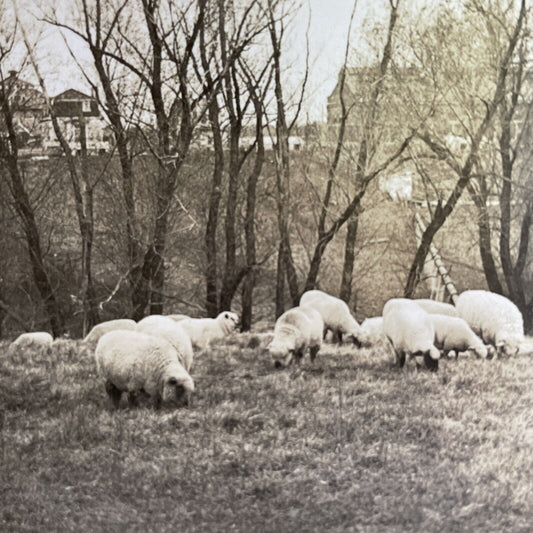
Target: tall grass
pixel 350 443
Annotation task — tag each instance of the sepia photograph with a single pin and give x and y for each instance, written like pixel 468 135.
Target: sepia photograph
pixel 266 266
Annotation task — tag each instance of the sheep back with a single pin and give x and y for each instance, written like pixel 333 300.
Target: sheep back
pixel 335 314
pixel 92 338
pixel 35 340
pixel 435 307
pixel 172 332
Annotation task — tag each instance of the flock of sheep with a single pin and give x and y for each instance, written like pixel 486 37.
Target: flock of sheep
pixel 153 357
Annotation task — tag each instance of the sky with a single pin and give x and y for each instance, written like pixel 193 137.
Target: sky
pixel 328 27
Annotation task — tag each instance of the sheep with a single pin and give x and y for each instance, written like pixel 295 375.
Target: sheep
pixel 202 331
pixel 410 331
pixel 434 307
pixel 494 318
pixel 178 318
pixel 373 327
pixel 138 363
pixel 170 330
pixel 453 333
pixel 91 340
pixel 36 341
pixel 295 331
pixel 336 316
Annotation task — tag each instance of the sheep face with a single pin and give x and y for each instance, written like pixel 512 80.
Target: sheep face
pixel 480 351
pixel 177 391
pixel 281 354
pixel 507 346
pixel 229 321
pixel 354 339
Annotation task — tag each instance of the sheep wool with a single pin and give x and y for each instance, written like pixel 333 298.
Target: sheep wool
pixel 92 338
pixel 434 307
pixel 35 341
pixel 137 363
pixel 373 327
pixel 170 330
pixel 294 333
pixel 203 331
pixel 494 318
pixel 336 316
pixel 454 334
pixel 410 331
pixel 178 318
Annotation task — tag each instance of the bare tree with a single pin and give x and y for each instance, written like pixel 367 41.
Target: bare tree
pixel 464 171
pixel 285 266
pixel 9 164
pixel 83 194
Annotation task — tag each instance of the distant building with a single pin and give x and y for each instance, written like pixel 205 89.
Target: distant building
pixel 75 110
pixel 296 142
pixel 33 125
pixel 28 107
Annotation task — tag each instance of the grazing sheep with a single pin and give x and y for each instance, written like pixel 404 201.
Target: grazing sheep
pixel 494 318
pixel 373 327
pixel 170 330
pixel 336 315
pixel 203 331
pixel 437 308
pixel 410 331
pixel 296 330
pixel 91 340
pixel 138 363
pixel 36 341
pixel 178 318
pixel 453 333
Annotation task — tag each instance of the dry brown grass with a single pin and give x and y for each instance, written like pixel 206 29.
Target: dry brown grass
pixel 348 444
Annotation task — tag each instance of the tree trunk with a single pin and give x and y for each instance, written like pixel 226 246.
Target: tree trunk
pixel 484 232
pixel 349 259
pixel 212 217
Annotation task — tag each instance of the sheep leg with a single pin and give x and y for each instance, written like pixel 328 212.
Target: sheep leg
pixel 431 364
pixel 298 354
pixel 313 350
pixel 132 399
pixel 337 337
pixel 114 393
pixel 400 358
pixel 157 402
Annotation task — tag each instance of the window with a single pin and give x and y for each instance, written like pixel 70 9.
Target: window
pixel 86 106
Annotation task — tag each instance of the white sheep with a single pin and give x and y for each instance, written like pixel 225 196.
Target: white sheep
pixel 170 330
pixel 203 331
pixel 91 340
pixel 336 315
pixel 410 331
pixel 36 341
pixel 494 318
pixel 178 318
pixel 138 363
pixel 296 330
pixel 454 334
pixel 373 327
pixel 435 307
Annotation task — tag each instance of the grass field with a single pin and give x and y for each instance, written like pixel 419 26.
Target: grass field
pixel 350 443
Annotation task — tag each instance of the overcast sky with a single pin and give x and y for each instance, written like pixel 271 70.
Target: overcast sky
pixel 327 37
